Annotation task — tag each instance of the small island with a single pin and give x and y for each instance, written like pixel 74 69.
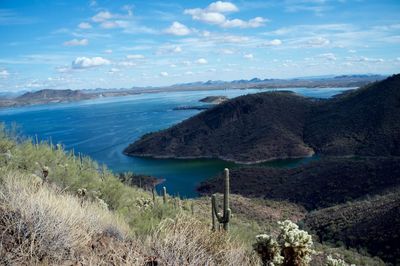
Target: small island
pixel 214 99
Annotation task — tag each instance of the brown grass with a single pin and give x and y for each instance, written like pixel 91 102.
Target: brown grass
pixel 41 225
pixel 187 241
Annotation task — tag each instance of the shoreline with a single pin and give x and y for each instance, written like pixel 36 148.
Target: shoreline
pixel 222 158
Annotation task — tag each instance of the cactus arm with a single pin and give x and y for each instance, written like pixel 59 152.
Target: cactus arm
pixel 213 215
pixel 227 218
pixel 164 195
pixel 226 191
pixel 153 192
pixel 214 208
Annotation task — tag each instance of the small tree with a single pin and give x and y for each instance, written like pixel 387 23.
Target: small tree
pixel 293 247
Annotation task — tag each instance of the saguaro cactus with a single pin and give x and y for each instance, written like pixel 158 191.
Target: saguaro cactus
pixel 153 192
pixel 164 195
pixel 225 216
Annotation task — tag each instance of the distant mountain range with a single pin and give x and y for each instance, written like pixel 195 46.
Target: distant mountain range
pixel 12 99
pixel 317 81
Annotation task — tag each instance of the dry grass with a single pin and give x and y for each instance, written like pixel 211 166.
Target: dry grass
pixel 39 224
pixel 42 225
pixel 186 241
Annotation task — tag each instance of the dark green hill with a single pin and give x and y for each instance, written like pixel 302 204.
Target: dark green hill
pixel 370 224
pixel 363 122
pixel 250 128
pixel 320 184
pixel 267 126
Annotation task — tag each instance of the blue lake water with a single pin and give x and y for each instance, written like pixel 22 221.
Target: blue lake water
pixel 102 128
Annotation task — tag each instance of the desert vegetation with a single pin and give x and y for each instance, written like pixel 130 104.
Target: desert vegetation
pixel 57 207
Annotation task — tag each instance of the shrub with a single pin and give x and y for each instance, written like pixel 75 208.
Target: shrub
pixel 293 246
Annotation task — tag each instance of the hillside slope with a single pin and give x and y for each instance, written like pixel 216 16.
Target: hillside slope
pixel 372 224
pixel 267 126
pixel 363 122
pixel 319 184
pixel 250 128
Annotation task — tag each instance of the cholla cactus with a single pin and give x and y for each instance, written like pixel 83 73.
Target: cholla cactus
pixel 296 244
pixel 144 204
pixel 293 246
pixel 102 203
pixel 330 261
pixel 268 250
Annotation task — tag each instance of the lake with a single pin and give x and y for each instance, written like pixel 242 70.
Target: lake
pixel 102 128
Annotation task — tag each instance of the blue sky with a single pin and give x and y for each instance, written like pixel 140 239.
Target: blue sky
pixel 75 44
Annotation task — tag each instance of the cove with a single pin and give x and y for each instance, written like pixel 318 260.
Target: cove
pixel 102 128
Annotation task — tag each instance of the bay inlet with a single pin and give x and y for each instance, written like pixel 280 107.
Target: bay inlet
pixel 102 128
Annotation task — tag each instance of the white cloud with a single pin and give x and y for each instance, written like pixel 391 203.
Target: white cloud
pixel 87 62
pixel 128 8
pixel 365 59
pixel 213 14
pixel 4 73
pixel 238 23
pixel 108 51
pixel 178 29
pixel 205 33
pixel 205 16
pixel 169 49
pixel 127 64
pixel 63 69
pixel 222 7
pixel 177 49
pixel 248 56
pixel 102 16
pixel 327 56
pixel 189 73
pixel 114 24
pixel 275 42
pixel 135 56
pixel 227 51
pixel 318 41
pixel 113 70
pixel 84 25
pixel 201 61
pixel 164 74
pixel 76 42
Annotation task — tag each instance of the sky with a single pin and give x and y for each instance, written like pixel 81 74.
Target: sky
pixel 86 44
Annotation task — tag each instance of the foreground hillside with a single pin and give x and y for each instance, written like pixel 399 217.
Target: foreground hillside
pixel 351 202
pixel 61 209
pixel 272 125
